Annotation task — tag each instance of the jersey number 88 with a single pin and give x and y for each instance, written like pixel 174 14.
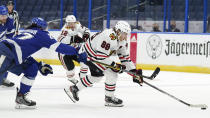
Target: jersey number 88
pixel 105 45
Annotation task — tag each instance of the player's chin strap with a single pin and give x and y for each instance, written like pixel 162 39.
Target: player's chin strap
pixel 157 70
pixel 154 74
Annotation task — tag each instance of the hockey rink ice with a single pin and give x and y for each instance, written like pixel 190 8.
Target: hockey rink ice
pixel 139 102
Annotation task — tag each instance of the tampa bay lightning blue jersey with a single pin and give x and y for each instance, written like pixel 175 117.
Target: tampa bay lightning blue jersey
pixel 32 40
pixel 7 30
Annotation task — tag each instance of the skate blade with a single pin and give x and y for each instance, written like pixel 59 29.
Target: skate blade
pixel 113 105
pixel 70 95
pixel 21 106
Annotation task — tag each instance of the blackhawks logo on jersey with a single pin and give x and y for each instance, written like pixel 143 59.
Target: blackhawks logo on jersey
pixel 112 36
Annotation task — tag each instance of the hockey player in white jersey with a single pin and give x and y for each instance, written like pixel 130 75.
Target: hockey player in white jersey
pixel 70 35
pixel 100 47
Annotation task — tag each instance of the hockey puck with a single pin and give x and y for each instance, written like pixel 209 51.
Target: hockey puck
pixel 203 108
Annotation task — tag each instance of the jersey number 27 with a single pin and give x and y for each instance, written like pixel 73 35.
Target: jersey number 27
pixel 26 36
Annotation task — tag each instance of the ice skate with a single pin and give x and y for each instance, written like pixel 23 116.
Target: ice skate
pixel 73 80
pixel 113 102
pixel 72 92
pixel 22 102
pixel 7 83
pixel 71 77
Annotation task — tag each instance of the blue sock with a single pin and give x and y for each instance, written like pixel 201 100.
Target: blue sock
pixel 3 77
pixel 1 81
pixel 24 88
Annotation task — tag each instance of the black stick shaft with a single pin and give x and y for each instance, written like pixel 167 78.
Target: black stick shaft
pixel 167 93
pixel 152 77
pixel 148 77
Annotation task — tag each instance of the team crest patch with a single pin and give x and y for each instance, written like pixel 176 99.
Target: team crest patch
pixel 112 36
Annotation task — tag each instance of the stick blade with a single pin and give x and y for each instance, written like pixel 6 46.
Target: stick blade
pixel 202 106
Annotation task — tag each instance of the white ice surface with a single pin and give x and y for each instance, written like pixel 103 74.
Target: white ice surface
pixel 140 102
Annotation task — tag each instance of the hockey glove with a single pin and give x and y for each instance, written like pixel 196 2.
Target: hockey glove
pixel 118 68
pixel 86 36
pixel 82 57
pixel 137 79
pixel 45 69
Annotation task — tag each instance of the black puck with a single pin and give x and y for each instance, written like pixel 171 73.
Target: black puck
pixel 203 108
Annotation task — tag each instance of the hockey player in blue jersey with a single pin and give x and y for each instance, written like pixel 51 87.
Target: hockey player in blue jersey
pixel 7 24
pixel 7 30
pixel 15 57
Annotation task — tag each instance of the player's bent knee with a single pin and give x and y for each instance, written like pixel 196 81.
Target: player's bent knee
pixel 99 74
pixel 31 71
pixel 95 79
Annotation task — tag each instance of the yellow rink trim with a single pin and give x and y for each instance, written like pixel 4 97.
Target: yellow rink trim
pixel 191 69
pixel 53 61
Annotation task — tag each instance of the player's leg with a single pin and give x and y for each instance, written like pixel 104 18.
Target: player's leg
pixel 83 70
pixel 6 82
pixel 71 76
pixel 68 64
pixel 95 76
pixel 110 85
pixel 87 81
pixel 5 62
pixel 1 78
pixel 22 100
pixel 2 75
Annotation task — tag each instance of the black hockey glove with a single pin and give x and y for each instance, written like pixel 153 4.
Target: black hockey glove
pixel 45 69
pixel 118 68
pixel 86 36
pixel 137 79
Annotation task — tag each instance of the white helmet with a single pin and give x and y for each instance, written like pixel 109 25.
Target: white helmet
pixel 123 26
pixel 70 18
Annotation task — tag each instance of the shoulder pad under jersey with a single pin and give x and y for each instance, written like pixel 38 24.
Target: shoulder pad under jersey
pixel 77 25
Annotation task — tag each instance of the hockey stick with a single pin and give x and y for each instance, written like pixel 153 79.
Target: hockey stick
pixel 154 74
pixel 202 106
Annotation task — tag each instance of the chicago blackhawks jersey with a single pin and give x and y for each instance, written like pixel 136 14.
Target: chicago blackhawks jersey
pixel 102 45
pixel 70 36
